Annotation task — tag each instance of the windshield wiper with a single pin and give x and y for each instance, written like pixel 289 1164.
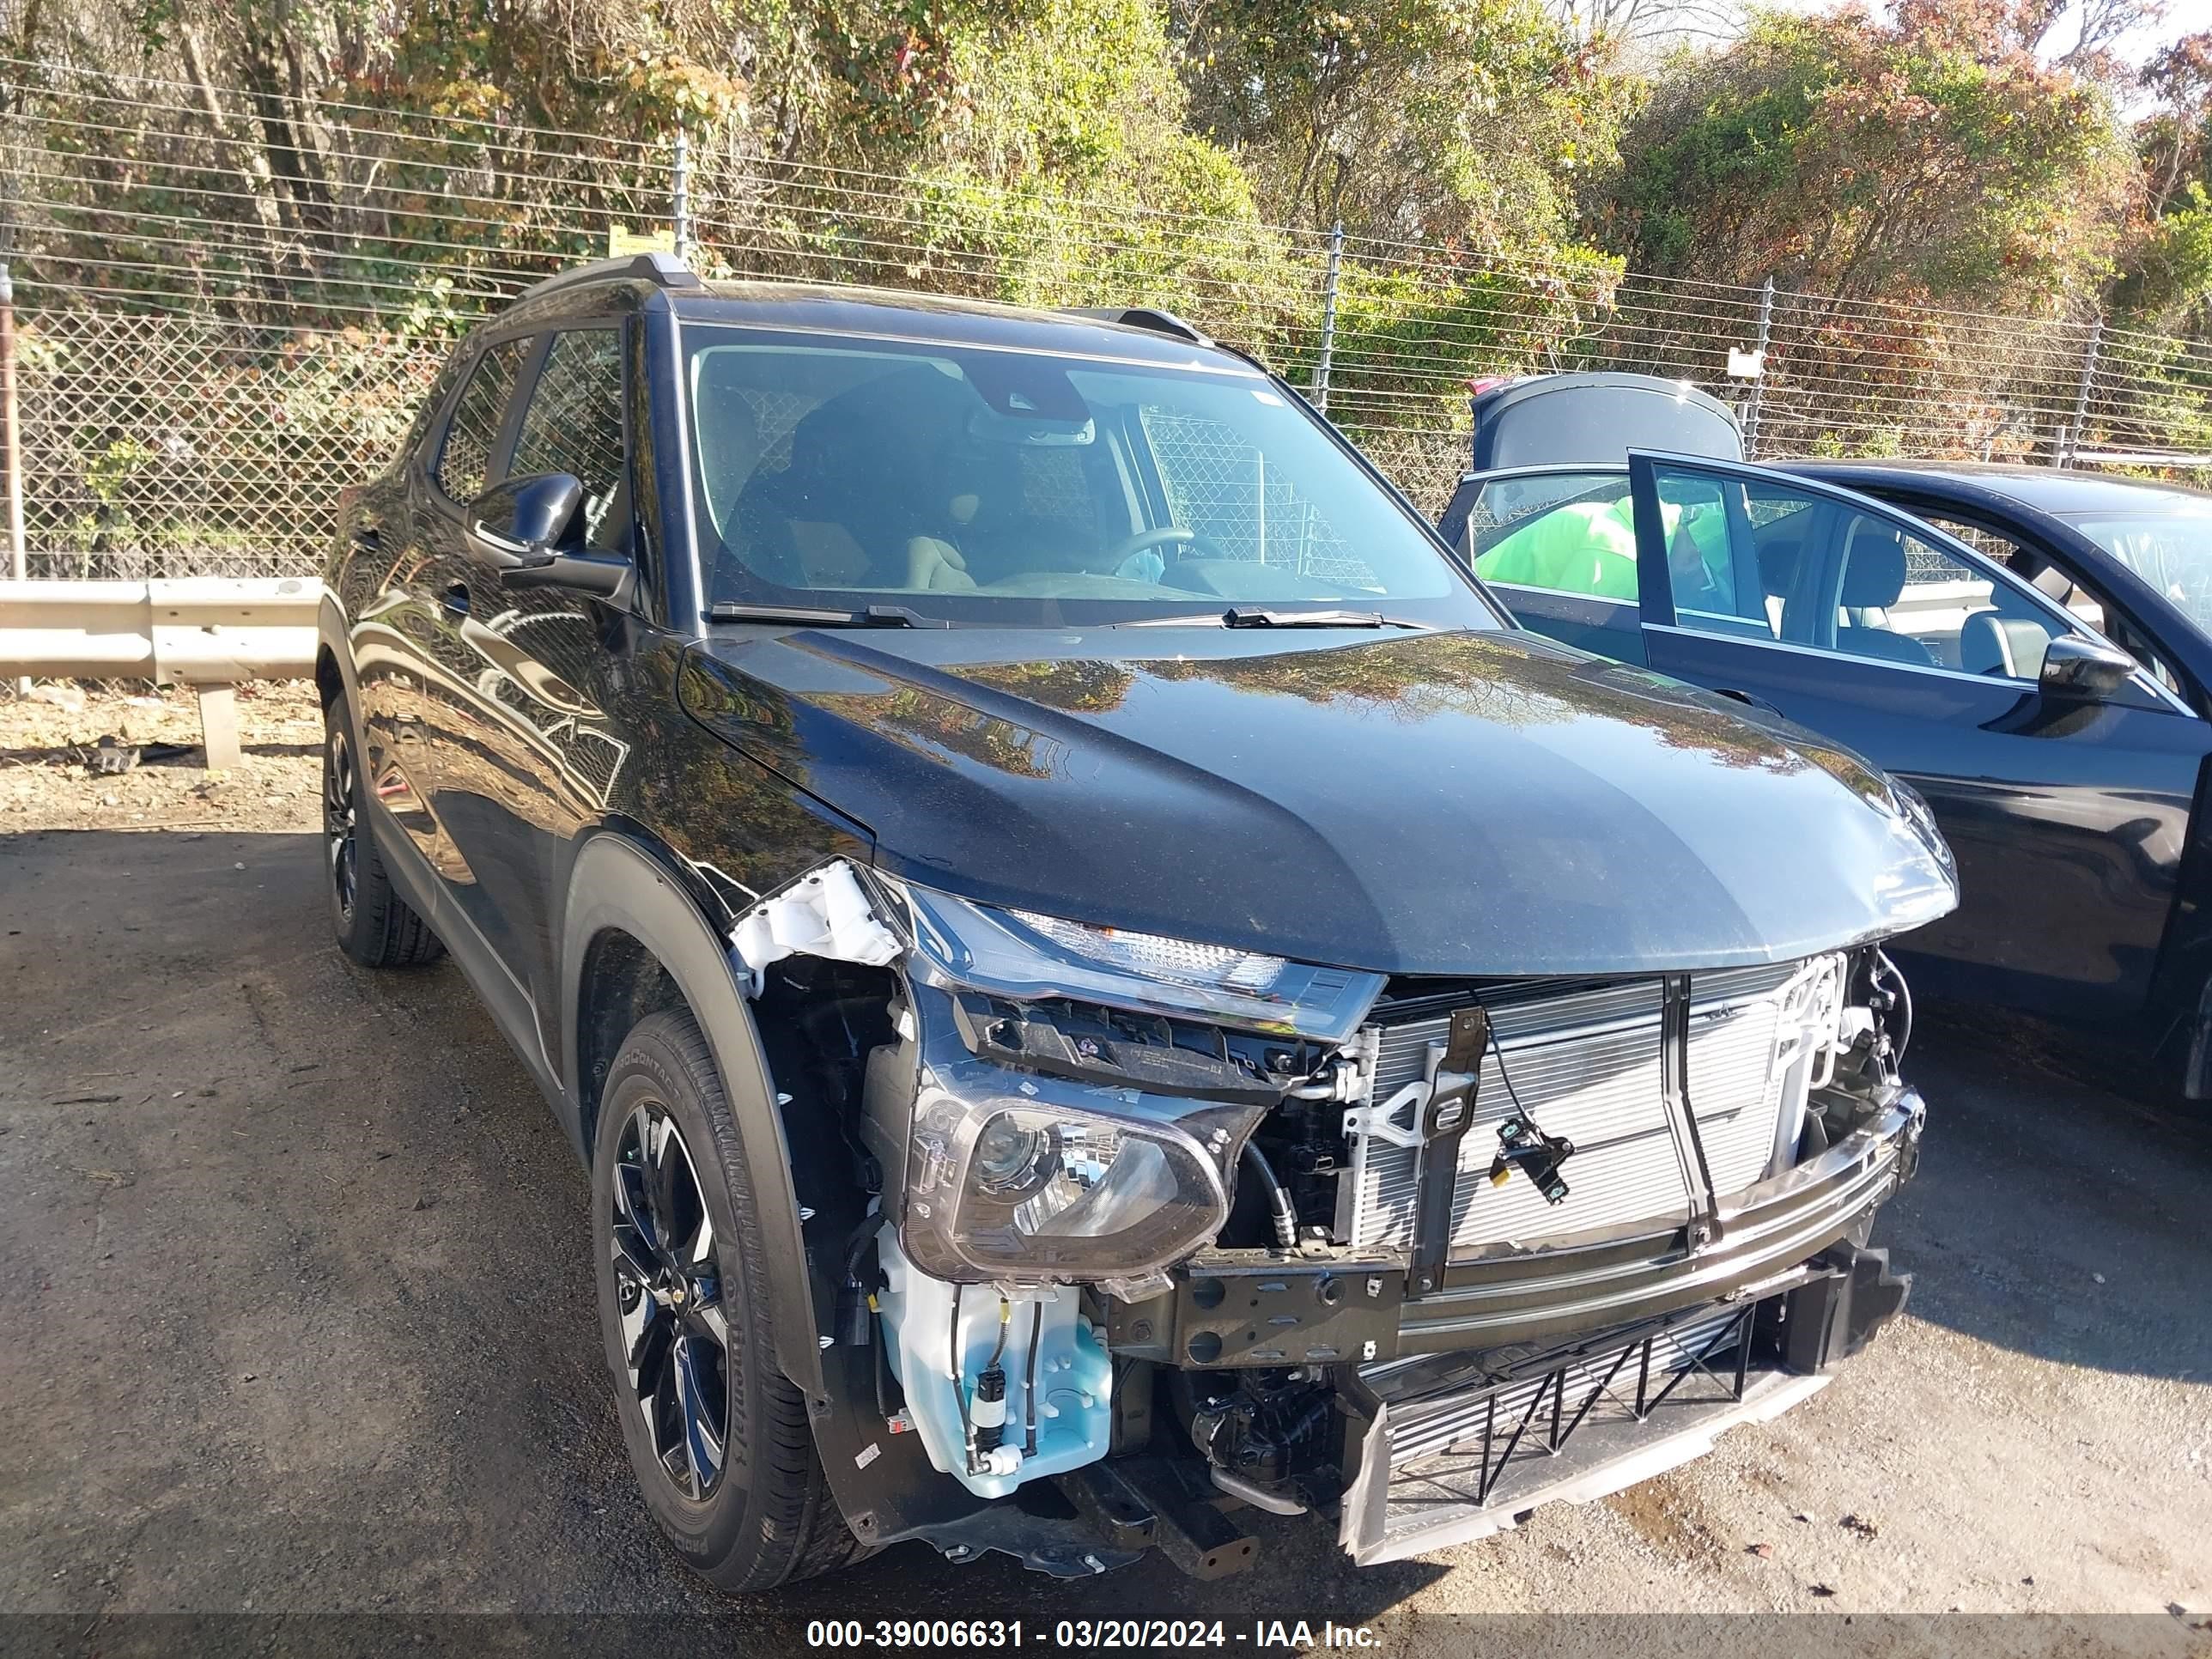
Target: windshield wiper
pixel 1234 617
pixel 875 615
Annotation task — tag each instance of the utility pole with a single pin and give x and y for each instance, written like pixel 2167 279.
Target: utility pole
pixel 1328 315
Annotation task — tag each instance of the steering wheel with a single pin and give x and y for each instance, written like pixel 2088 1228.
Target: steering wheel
pixel 1171 534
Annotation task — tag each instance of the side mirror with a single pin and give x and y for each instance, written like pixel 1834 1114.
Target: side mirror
pixel 518 525
pixel 2076 667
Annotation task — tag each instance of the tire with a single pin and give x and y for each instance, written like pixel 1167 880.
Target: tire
pixel 757 1511
pixel 375 925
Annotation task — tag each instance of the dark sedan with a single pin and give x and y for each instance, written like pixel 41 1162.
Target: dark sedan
pixel 2028 649
pixel 2133 559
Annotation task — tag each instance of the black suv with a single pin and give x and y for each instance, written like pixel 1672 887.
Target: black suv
pixel 1083 951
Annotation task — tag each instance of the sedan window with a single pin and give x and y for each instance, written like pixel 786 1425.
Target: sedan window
pixel 1562 533
pixel 1713 589
pixel 1813 571
pixel 1900 599
pixel 1736 555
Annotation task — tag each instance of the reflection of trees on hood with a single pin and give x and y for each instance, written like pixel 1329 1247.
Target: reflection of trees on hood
pixel 1489 676
pixel 1683 718
pixel 930 725
pixel 1081 685
pixel 1409 679
pixel 1496 677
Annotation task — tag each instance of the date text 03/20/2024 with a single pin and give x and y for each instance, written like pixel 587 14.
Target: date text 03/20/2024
pixel 933 1634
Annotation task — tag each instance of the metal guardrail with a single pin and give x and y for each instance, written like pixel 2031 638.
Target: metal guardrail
pixel 209 633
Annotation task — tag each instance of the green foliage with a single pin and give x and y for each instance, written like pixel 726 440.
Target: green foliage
pixel 401 166
pixel 1475 121
pixel 1929 160
pixel 1071 177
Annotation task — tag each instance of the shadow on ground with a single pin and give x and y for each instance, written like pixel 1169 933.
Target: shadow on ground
pixel 310 1317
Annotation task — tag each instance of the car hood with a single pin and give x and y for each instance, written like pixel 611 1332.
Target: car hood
pixel 1479 803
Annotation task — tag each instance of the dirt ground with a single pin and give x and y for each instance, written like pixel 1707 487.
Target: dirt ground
pixel 50 744
pixel 300 1317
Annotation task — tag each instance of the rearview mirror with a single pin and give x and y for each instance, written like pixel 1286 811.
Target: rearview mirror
pixel 517 524
pixel 2075 666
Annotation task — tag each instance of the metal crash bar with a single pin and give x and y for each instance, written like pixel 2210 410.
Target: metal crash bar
pixel 208 632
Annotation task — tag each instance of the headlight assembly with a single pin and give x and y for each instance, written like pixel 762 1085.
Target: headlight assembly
pixel 1026 957
pixel 1081 1089
pixel 1001 1186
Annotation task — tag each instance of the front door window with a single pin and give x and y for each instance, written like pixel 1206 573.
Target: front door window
pixel 1808 569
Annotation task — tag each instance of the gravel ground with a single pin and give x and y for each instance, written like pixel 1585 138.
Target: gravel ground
pixel 300 1314
pixel 50 744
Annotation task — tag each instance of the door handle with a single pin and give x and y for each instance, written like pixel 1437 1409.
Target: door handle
pixel 455 598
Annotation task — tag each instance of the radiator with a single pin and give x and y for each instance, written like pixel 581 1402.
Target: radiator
pixel 1586 1065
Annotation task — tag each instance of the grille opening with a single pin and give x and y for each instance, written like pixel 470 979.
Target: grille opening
pixel 1584 1060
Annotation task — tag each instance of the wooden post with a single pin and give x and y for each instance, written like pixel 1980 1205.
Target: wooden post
pixel 219 726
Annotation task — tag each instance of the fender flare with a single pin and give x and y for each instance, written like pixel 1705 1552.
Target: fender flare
pixel 615 884
pixel 331 635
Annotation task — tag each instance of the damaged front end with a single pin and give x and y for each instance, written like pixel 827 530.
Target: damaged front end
pixel 1155 1230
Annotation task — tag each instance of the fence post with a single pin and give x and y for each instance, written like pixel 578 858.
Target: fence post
pixel 679 207
pixel 2071 441
pixel 11 443
pixel 1329 316
pixel 1758 384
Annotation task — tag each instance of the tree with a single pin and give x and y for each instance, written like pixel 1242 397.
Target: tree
pixel 2167 280
pixel 1472 121
pixel 1932 159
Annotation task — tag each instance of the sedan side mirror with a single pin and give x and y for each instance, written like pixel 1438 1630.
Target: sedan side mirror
pixel 2076 667
pixel 518 525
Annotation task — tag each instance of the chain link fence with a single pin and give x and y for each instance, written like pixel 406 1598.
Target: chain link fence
pixel 209 355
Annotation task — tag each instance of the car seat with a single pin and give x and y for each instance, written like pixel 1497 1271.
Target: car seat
pixel 1991 642
pixel 843 512
pixel 1874 577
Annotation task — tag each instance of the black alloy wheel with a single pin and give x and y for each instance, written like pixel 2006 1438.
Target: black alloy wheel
pixel 669 1296
pixel 342 825
pixel 374 925
pixel 719 1435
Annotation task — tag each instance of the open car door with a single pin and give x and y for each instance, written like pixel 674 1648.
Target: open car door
pixel 2065 792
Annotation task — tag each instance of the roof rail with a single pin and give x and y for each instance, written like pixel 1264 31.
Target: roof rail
pixel 1146 317
pixel 661 269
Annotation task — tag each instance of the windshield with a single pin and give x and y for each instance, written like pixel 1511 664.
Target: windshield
pixel 2172 552
pixel 1018 488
